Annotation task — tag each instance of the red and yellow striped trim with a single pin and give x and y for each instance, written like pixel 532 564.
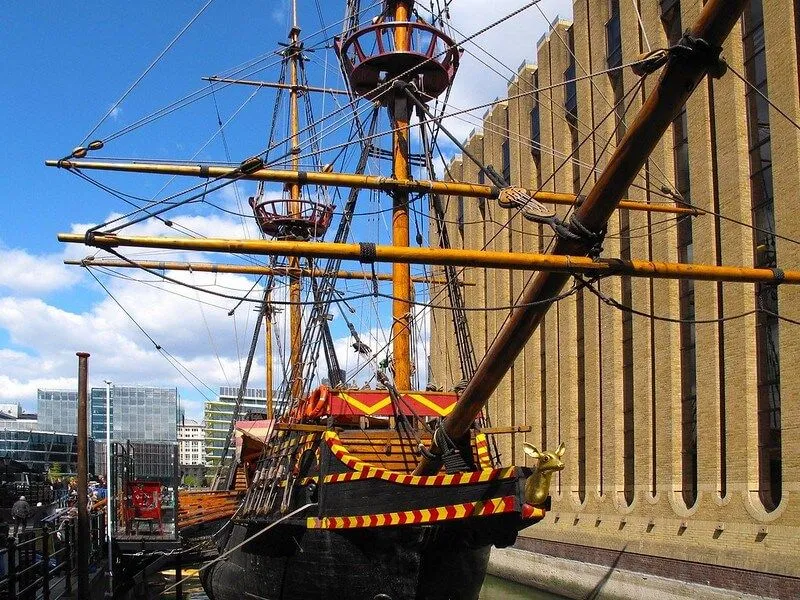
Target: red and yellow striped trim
pixel 364 470
pixel 482 446
pixel 416 517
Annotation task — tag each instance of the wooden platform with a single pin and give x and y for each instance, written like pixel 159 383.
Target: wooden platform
pixel 197 507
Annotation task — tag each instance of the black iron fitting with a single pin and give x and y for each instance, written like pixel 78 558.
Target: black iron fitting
pixel 368 253
pixel 593 240
pixel 688 48
pixel 251 165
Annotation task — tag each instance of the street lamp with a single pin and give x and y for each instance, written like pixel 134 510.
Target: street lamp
pixel 109 495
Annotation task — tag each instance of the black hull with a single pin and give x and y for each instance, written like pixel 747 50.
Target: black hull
pixel 426 562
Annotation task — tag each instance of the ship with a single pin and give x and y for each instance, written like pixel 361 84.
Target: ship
pixel 393 489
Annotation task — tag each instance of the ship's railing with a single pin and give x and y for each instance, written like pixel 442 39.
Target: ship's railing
pixel 370 56
pixel 275 217
pixel 41 563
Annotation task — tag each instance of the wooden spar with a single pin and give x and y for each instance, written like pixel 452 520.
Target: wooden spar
pixel 281 86
pixel 268 355
pixel 295 282
pixel 455 257
pixel 353 180
pixel 400 114
pixel 681 75
pixel 160 265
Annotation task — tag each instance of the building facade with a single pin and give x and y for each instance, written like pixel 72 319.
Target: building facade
pixel 57 410
pixel 192 448
pixel 138 413
pixel 219 413
pixel 41 450
pixel 682 437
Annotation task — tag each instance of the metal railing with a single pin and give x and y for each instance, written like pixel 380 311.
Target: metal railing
pixel 42 563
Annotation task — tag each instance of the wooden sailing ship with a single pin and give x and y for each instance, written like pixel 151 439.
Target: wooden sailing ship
pixel 344 494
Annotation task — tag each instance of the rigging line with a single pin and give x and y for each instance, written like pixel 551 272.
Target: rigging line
pixel 740 223
pixel 606 299
pixel 244 381
pixel 557 298
pixel 632 92
pixel 177 281
pixel 161 351
pixel 210 336
pixel 227 179
pixel 200 381
pixel 764 96
pixel 641 24
pixel 221 131
pixel 148 69
pixel 387 85
pixel 512 135
pixel 205 91
pixel 664 179
pixel 111 273
pixel 588 75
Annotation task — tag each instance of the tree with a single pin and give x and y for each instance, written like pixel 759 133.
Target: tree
pixel 54 472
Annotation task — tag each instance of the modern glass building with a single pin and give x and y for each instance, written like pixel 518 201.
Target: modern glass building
pixel 42 449
pixel 137 413
pixel 218 415
pixel 58 410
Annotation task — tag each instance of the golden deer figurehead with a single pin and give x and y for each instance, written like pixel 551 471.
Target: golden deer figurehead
pixel 537 488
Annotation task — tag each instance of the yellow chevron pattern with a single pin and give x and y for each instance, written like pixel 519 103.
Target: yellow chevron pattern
pixel 364 470
pixel 427 515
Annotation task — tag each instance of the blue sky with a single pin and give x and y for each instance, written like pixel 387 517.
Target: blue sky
pixel 65 66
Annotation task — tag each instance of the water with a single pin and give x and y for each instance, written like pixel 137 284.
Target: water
pixel 493 589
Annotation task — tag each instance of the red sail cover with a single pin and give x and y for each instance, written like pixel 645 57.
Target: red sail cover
pixel 378 403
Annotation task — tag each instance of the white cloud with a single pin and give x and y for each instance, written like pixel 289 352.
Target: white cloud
pixel 25 273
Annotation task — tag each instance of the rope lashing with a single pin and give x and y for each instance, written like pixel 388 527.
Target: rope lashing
pixel 593 239
pixel 449 453
pixel 368 255
pixel 689 47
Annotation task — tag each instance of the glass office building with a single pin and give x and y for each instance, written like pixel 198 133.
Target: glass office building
pixel 137 413
pixel 42 449
pixel 58 411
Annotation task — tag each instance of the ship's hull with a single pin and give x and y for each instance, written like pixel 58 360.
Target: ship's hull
pixel 354 530
pixel 414 562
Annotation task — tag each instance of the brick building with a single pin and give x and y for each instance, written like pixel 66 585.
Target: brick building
pixel 683 439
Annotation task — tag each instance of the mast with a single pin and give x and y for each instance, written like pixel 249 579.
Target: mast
pixel 268 357
pixel 682 73
pixel 400 113
pixel 295 282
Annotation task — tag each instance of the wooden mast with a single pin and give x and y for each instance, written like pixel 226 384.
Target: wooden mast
pixel 682 73
pixel 268 356
pixel 400 113
pixel 295 282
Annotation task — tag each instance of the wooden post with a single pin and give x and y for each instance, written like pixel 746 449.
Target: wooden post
pixel 178 577
pixel 45 563
pixel 12 568
pixel 68 560
pixel 83 478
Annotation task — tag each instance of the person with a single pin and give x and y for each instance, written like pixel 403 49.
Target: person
pixel 20 511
